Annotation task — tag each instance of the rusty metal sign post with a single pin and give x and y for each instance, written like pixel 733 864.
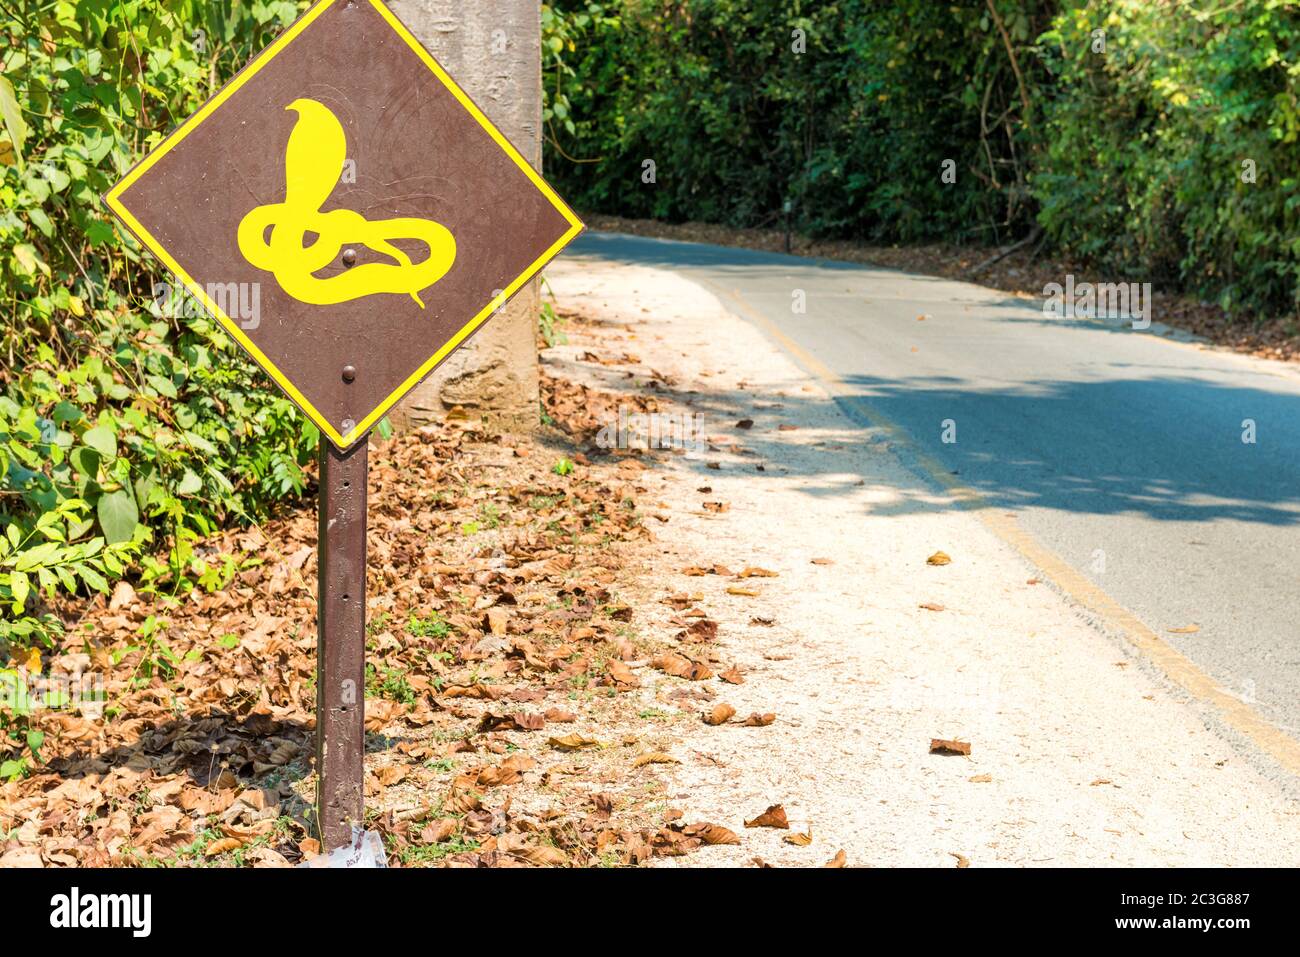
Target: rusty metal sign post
pixel 350 217
pixel 341 642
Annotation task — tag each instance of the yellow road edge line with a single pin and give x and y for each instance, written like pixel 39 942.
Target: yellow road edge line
pixel 1173 664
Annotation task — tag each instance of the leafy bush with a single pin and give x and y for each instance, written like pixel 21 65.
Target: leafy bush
pixel 1130 158
pixel 125 434
pixel 845 108
pixel 1147 140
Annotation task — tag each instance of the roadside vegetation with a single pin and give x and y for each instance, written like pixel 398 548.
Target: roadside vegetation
pixel 1154 139
pixel 131 434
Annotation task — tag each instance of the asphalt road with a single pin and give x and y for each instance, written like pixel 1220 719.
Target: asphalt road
pixel 1119 450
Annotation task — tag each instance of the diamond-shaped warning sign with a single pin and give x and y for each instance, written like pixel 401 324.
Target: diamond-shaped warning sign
pixel 346 211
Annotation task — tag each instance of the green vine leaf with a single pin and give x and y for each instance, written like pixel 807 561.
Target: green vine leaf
pixel 118 516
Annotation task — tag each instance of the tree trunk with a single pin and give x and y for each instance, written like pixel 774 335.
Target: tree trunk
pixel 493 50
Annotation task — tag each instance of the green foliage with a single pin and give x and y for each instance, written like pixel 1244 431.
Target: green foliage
pixel 125 434
pixel 548 325
pixel 393 685
pixel 846 109
pixel 128 432
pixel 432 625
pixel 1131 158
pixel 561 30
pixel 1147 142
pixel 16 729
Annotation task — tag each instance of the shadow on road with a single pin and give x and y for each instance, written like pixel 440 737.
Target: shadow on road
pixel 1189 473
pixel 1161 440
pixel 1164 466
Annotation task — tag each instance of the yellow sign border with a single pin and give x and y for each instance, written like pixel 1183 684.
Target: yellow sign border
pixel 113 199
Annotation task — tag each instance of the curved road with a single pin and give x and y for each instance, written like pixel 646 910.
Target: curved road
pixel 1121 451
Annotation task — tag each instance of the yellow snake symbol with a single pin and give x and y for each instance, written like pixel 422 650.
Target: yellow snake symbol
pixel 313 163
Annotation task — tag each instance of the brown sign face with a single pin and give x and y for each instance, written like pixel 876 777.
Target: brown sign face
pixel 346 212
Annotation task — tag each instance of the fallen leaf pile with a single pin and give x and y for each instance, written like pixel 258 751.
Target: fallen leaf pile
pixel 499 657
pixel 582 411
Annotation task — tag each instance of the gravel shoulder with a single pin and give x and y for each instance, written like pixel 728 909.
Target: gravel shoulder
pixel 1078 756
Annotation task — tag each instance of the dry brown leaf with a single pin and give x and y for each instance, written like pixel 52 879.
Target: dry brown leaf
pixel 438 831
pixel 482 692
pixel 497 619
pixel 774 816
pixel 282 753
pixel 380 713
pixel 1185 630
pixel 720 714
pixel 622 674
pixel 519 721
pixel 962 859
pixel 733 676
pixel 757 720
pixel 938 558
pixel 573 742
pixel 123 595
pixel 799 839
pixel 930 606
pixel 839 860
pixel 701 629
pixel 823 561
pixel 755 572
pixel 461 801
pixel 981 779
pixel 541 855
pixel 681 666
pixel 26 857
pixel 267 857
pixel 654 757
pixel 222 845
pixel 949 746
pixel 712 833
pixel 528 850
pixel 508 771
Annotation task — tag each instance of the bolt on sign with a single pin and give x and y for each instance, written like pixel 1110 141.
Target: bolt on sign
pixel 378 212
pixel 380 218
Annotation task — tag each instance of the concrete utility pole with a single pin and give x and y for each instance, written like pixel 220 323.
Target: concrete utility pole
pixel 494 52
